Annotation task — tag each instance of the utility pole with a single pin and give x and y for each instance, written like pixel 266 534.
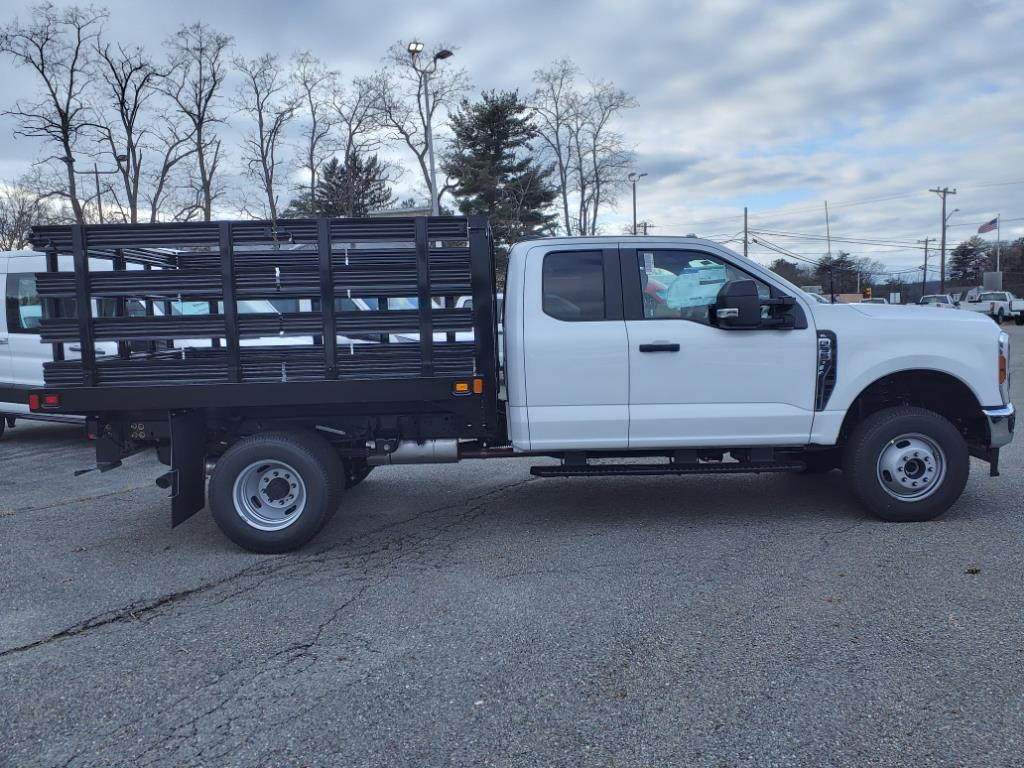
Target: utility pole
pixel 924 269
pixel 828 232
pixel 644 225
pixel 745 254
pixel 943 193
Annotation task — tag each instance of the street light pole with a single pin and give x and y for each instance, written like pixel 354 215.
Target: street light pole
pixel 633 178
pixel 99 197
pixel 415 48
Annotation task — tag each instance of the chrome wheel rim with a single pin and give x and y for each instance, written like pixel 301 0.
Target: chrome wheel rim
pixel 269 495
pixel 911 467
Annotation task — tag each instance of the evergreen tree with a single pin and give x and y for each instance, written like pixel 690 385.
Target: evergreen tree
pixel 493 169
pixel 968 261
pixel 791 271
pixel 346 189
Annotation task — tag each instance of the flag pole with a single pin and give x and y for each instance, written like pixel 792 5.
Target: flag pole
pixel 999 223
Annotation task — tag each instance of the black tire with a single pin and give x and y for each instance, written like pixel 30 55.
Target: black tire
pixel 322 481
pixel 356 471
pixel 3 425
pixel 1019 318
pixel 878 433
pixel 820 462
pixel 998 317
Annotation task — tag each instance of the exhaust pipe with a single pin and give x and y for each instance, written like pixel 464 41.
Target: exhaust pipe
pixel 411 452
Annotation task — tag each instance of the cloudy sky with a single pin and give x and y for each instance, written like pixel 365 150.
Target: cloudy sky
pixel 776 106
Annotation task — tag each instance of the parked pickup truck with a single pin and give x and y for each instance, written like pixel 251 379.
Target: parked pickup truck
pixel 999 305
pixel 623 356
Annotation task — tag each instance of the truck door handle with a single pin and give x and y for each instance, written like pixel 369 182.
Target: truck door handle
pixel 659 347
pixel 3 341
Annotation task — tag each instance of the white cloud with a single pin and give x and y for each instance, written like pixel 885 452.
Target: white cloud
pixel 776 105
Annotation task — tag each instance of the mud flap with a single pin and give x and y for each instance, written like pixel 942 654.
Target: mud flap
pixel 188 459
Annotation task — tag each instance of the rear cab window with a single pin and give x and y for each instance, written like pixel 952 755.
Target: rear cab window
pixel 573 286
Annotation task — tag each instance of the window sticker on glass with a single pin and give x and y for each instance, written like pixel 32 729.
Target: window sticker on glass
pixel 697 285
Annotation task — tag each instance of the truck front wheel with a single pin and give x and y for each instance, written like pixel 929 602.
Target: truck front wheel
pixel 272 492
pixel 906 464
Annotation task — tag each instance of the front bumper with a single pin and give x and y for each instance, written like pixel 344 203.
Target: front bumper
pixel 1001 422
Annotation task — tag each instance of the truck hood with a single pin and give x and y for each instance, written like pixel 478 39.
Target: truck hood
pixel 897 312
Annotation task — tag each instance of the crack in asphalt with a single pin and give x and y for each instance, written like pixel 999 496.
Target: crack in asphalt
pixel 306 650
pixel 271 567
pixel 76 500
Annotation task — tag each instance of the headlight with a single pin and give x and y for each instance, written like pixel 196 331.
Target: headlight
pixel 1004 367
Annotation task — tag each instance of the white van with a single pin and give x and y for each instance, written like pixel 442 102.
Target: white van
pixel 22 354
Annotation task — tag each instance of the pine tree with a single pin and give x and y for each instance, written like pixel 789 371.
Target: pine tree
pixel 345 189
pixel 968 261
pixel 493 169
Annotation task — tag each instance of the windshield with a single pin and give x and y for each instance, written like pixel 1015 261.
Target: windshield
pixel 935 300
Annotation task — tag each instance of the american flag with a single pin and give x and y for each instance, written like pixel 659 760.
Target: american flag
pixel 988 226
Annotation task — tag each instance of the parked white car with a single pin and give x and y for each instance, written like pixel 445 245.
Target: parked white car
pixel 999 305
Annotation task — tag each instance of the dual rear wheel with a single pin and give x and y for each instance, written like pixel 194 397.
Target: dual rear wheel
pixel 272 492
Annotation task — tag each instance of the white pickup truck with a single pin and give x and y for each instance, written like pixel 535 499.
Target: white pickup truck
pixel 999 305
pixel 623 356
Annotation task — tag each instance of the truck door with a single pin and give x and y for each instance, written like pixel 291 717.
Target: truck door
pixel 695 385
pixel 575 352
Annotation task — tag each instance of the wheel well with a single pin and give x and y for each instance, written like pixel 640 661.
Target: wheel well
pixel 936 391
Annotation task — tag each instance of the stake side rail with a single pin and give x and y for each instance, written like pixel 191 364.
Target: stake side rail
pixel 355 314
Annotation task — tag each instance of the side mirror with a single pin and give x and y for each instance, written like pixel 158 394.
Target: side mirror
pixel 738 307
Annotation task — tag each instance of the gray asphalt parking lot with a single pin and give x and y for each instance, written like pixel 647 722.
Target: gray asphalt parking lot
pixel 472 615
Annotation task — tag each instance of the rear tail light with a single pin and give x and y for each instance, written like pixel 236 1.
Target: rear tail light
pixel 33 402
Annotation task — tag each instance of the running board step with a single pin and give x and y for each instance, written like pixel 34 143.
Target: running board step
pixel 709 468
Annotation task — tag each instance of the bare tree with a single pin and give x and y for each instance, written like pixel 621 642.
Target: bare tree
pixel 409 105
pixel 194 83
pixel 21 208
pixel 315 86
pixel 264 96
pixel 602 158
pixel 554 105
pixel 576 130
pixel 130 81
pixel 174 144
pixel 361 127
pixel 57 45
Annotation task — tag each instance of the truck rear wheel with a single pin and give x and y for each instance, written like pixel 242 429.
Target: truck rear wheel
pixel 906 464
pixel 272 492
pixel 1019 318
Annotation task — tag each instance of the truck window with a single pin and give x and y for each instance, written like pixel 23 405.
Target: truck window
pixel 573 285
pixel 25 308
pixel 684 284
